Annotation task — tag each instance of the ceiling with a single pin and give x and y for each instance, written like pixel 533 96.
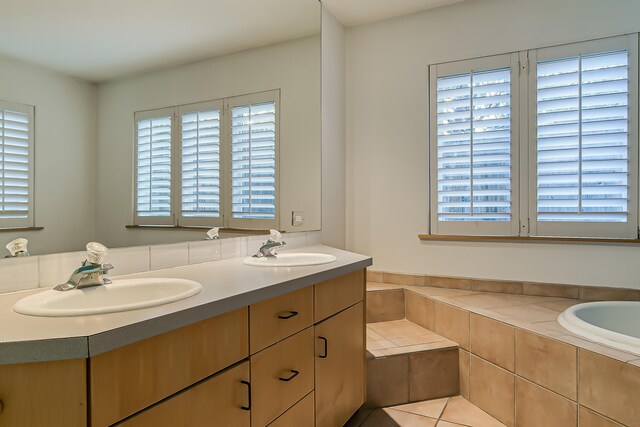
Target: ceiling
pixel 98 40
pixel 101 40
pixel 357 12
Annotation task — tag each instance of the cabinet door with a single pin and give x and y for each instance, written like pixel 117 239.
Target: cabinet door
pixel 340 368
pixel 44 394
pixel 222 400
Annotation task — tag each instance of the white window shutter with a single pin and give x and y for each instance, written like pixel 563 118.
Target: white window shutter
pixel 585 162
pixel 200 174
pixel 473 135
pixel 153 167
pixel 16 165
pixel 254 133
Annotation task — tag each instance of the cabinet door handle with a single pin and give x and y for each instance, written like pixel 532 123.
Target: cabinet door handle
pixel 326 348
pixel 248 407
pixel 294 374
pixel 291 314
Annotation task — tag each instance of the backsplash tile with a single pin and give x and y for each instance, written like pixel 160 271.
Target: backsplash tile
pixel 56 268
pixel 128 260
pixel 17 274
pixel 255 242
pixel 234 247
pixel 204 251
pixel 295 240
pixel 167 256
pixel 314 238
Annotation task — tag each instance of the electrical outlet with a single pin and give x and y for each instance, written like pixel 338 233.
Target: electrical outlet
pixel 297 218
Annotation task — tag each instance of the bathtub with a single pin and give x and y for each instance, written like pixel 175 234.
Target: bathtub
pixel 612 323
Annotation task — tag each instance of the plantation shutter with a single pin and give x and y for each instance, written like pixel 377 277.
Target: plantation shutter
pixel 16 165
pixel 254 160
pixel 472 148
pixel 585 147
pixel 154 136
pixel 200 134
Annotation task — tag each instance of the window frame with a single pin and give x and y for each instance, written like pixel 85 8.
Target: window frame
pixel 226 218
pixel 475 228
pixel 29 221
pixel 524 145
pixel 629 229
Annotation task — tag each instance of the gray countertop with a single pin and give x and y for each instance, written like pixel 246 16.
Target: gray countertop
pixel 227 285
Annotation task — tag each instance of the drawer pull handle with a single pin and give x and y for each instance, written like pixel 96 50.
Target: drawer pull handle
pixel 1 406
pixel 288 316
pixel 248 407
pixel 326 348
pixel 293 375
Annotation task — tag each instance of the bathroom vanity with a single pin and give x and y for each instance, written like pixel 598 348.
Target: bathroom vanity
pixel 285 350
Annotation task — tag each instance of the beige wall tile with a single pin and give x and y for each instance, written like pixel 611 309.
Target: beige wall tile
pixel 433 374
pixel 549 363
pixel 503 286
pixel 404 279
pixel 374 276
pixel 587 418
pixel 387 381
pixel 452 323
pixel 420 310
pixel 463 360
pixel 610 387
pixel 595 293
pixel 551 290
pixel 383 306
pixel 493 341
pixel 536 407
pixel 449 282
pixel 492 389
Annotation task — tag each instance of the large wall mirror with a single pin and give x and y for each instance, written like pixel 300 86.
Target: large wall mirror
pixel 98 74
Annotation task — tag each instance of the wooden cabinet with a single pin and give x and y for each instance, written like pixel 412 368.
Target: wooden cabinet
pixel 129 379
pixel 340 366
pixel 296 360
pixel 300 415
pixel 278 318
pixel 281 375
pixel 221 400
pixel 44 394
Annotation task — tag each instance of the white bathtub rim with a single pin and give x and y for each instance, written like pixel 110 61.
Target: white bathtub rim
pixel 570 321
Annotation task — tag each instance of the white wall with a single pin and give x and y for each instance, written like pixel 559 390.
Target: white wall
pixel 333 132
pixel 65 119
pixel 387 101
pixel 293 67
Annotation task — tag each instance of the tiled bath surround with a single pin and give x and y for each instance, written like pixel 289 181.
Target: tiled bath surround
pixel 516 362
pixel 18 274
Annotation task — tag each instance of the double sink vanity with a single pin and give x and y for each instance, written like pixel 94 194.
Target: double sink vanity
pixel 240 345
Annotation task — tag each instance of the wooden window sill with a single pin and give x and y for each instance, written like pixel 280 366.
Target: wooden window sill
pixel 196 228
pixel 518 239
pixel 9 230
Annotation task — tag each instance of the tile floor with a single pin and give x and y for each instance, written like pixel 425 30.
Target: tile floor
pixel 401 337
pixel 446 412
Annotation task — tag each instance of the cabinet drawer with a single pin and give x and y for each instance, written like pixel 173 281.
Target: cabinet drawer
pixel 218 400
pixel 300 415
pixel 280 376
pixel 280 317
pixel 337 294
pixel 126 380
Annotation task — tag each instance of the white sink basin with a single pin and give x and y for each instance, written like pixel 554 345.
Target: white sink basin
pixel 290 260
pixel 121 295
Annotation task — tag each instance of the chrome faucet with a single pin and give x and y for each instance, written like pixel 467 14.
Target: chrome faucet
pixel 91 272
pixel 268 249
pixel 87 275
